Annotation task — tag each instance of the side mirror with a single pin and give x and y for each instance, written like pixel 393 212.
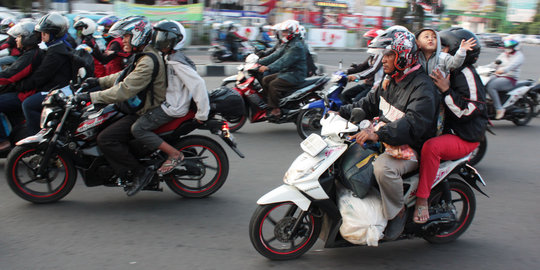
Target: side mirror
pixel 357 115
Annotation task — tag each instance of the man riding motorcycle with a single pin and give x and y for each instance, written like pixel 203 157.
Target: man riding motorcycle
pixel 290 61
pixel 125 86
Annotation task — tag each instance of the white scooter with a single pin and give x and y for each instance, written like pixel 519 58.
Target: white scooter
pixel 290 218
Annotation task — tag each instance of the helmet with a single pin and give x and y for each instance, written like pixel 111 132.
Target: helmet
pixel 137 26
pixel 302 31
pixel 54 24
pixel 107 21
pixel 371 34
pixel 401 42
pixel 6 24
pixel 168 34
pixel 86 26
pixel 29 37
pixel 452 38
pixel 292 26
pixel 511 42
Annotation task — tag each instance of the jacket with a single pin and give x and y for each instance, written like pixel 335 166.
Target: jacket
pixel 370 70
pixel 136 81
pixel 184 84
pixel 289 60
pixel 465 105
pixel 113 62
pixel 510 64
pixel 444 61
pixel 11 45
pixel 408 107
pixel 54 71
pixel 20 69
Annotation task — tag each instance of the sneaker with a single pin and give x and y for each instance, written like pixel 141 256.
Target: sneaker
pixel 140 180
pixel 499 114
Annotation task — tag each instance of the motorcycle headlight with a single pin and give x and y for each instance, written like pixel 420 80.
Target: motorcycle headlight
pixel 45 113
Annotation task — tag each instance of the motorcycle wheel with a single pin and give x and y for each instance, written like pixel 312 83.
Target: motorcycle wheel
pixel 465 203
pixel 478 153
pixel 205 169
pixel 309 121
pixel 527 105
pixel 271 225
pixel 22 164
pixel 215 57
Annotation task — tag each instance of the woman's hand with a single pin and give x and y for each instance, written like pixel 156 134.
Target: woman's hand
pixel 443 83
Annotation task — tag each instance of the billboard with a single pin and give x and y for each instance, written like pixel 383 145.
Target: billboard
pixel 470 5
pixel 387 3
pixel 192 12
pixel 521 10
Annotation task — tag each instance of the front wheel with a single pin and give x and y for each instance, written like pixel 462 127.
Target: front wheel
pixel 21 174
pixel 236 123
pixel 464 202
pixel 204 171
pixel 309 121
pixel 274 236
pixel 527 107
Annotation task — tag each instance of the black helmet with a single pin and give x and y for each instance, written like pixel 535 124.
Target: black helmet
pixel 167 34
pixel 25 29
pixel 54 24
pixel 452 38
pixel 138 26
pixel 402 42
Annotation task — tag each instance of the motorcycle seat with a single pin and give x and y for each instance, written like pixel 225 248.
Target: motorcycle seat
pixel 523 83
pixel 307 86
pixel 171 126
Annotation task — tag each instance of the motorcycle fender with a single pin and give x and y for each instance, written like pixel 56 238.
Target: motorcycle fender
pixel 315 104
pixel 36 139
pixel 229 79
pixel 285 193
pixel 471 176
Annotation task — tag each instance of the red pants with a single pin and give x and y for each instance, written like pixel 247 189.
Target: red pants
pixel 445 147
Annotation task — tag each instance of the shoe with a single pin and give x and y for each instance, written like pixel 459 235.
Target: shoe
pixel 395 227
pixel 140 180
pixel 499 114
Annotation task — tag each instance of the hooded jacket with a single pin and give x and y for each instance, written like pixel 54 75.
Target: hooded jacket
pixel 289 60
pixel 408 107
pixel 510 64
pixel 135 82
pixel 23 67
pixel 444 61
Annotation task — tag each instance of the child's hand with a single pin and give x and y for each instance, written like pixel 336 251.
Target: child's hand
pixel 468 45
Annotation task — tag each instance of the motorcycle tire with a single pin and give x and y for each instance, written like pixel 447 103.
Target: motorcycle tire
pixel 21 166
pixel 478 153
pixel 528 106
pixel 309 121
pixel 204 170
pixel 216 57
pixel 272 241
pixel 236 123
pixel 464 200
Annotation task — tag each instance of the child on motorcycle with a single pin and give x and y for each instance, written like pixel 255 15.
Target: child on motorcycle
pixel 465 118
pixel 183 84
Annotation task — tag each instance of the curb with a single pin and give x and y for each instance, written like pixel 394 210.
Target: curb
pixel 216 70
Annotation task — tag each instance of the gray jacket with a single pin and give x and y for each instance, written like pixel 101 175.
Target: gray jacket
pixel 444 61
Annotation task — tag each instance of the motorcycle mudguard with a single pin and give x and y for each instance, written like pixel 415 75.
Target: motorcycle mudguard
pixel 229 79
pixel 35 139
pixel 285 193
pixel 471 176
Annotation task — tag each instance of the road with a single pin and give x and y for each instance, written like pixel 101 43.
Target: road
pixel 101 228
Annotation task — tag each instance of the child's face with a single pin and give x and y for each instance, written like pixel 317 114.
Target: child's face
pixel 427 41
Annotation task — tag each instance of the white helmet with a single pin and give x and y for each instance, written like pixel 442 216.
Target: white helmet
pixel 302 31
pixel 86 26
pixel 291 26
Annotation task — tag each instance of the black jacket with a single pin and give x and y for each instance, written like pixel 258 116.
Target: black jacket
pixel 409 108
pixel 54 71
pixel 465 105
pixel 367 69
pixel 28 62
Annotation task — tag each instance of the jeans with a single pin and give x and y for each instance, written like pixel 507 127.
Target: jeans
pixel 10 105
pixel 496 85
pixel 7 60
pixel 32 111
pixel 143 128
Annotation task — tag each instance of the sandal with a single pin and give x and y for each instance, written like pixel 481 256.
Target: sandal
pixel 418 211
pixel 168 166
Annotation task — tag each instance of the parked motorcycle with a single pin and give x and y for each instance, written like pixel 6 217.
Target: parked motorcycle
pixel 43 168
pixel 519 107
pixel 248 84
pixel 290 218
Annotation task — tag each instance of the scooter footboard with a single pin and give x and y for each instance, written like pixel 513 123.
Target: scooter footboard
pixel 285 193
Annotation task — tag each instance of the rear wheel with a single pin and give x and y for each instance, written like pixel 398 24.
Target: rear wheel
pixel 527 106
pixel 464 201
pixel 205 168
pixel 478 153
pixel 309 121
pixel 272 232
pixel 21 174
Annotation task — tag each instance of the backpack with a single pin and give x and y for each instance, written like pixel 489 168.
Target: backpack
pixel 134 104
pixel 81 58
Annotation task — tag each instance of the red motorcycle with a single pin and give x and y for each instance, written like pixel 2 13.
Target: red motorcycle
pixel 248 85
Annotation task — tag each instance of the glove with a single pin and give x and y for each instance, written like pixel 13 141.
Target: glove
pixel 90 83
pixel 82 98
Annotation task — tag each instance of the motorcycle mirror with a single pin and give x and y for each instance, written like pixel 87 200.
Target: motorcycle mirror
pixel 498 62
pixel 357 115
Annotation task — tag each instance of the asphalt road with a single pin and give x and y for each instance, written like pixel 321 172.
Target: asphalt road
pixel 101 228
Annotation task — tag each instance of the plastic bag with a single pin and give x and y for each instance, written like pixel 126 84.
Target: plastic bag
pixel 363 220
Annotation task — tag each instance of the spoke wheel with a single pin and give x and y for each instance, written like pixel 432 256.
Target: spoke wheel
pixel 204 171
pixel 308 122
pixel 21 174
pixel 272 232
pixel 464 202
pixel 528 112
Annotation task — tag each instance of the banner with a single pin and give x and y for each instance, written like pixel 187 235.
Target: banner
pixel 192 12
pixel 521 10
pixel 471 5
pixel 387 3
pixel 327 37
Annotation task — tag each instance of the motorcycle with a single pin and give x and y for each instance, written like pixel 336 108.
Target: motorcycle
pixel 220 53
pixel 519 107
pixel 43 168
pixel 290 218
pixel 248 85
